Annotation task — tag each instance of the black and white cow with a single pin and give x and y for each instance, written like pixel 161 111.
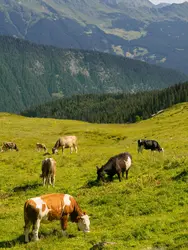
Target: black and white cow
pixel 149 145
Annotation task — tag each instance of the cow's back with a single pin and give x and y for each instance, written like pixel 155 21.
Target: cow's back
pixel 46 207
pixel 58 204
pixel 124 160
pixel 117 161
pixel 48 166
pixel 68 141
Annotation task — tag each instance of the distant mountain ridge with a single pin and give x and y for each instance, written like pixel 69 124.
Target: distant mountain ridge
pixel 137 29
pixel 32 74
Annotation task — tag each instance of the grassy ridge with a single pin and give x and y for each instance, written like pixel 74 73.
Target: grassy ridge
pixel 148 211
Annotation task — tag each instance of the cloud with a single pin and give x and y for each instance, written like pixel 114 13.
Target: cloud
pixel 167 1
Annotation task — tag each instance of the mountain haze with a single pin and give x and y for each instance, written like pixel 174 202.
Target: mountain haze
pixel 137 29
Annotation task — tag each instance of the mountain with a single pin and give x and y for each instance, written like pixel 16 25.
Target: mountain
pixel 136 29
pixel 161 5
pixel 31 74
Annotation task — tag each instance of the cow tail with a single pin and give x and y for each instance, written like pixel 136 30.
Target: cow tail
pixel 26 219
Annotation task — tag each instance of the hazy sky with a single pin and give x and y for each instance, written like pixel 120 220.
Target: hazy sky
pixel 167 1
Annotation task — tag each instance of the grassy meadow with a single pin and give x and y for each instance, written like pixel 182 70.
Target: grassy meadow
pixel 149 211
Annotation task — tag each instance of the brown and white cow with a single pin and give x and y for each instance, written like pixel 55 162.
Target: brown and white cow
pixel 51 207
pixel 69 141
pixel 41 146
pixel 48 171
pixel 9 146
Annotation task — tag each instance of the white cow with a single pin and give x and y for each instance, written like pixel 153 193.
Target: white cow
pixel 69 141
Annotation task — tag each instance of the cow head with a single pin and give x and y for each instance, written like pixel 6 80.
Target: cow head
pixel 83 223
pixel 54 150
pixel 160 149
pixel 100 174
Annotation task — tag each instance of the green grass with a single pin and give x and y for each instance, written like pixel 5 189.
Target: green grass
pixel 147 211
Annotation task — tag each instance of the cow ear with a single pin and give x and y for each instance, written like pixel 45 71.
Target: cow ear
pixel 78 218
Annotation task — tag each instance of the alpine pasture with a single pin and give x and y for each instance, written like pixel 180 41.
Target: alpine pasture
pixel 146 212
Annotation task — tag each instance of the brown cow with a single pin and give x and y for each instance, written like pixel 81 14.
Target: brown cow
pixel 51 207
pixel 9 146
pixel 41 146
pixel 48 171
pixel 69 141
pixel 115 165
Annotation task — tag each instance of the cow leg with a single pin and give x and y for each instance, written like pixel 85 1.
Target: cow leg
pixel 53 180
pixel 75 148
pixel 26 230
pixel 63 149
pixel 64 222
pixel 36 227
pixel 119 176
pixel 127 171
pixel 44 181
pixel 71 150
pixel 123 172
pixel 140 148
pixel 49 179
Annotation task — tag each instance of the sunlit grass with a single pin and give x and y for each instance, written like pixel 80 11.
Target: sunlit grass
pixel 147 211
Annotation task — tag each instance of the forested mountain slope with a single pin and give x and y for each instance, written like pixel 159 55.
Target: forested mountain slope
pixel 112 108
pixel 32 74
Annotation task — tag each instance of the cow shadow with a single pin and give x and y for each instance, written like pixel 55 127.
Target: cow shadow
pixel 55 232
pixel 26 187
pixel 92 183
pixel 12 243
pixel 21 239
pixel 47 153
pixel 181 176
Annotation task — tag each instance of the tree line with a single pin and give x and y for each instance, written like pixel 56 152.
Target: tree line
pixel 112 108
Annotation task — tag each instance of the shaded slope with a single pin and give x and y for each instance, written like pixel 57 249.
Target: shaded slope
pixel 31 74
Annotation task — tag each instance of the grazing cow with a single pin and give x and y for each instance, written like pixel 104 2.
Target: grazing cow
pixel 51 207
pixel 149 145
pixel 116 165
pixel 41 146
pixel 69 141
pixel 48 171
pixel 9 146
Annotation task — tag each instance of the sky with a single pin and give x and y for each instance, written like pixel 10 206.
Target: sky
pixel 167 1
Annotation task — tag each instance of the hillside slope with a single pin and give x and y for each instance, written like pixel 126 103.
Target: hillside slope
pixel 136 29
pixel 147 211
pixel 31 74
